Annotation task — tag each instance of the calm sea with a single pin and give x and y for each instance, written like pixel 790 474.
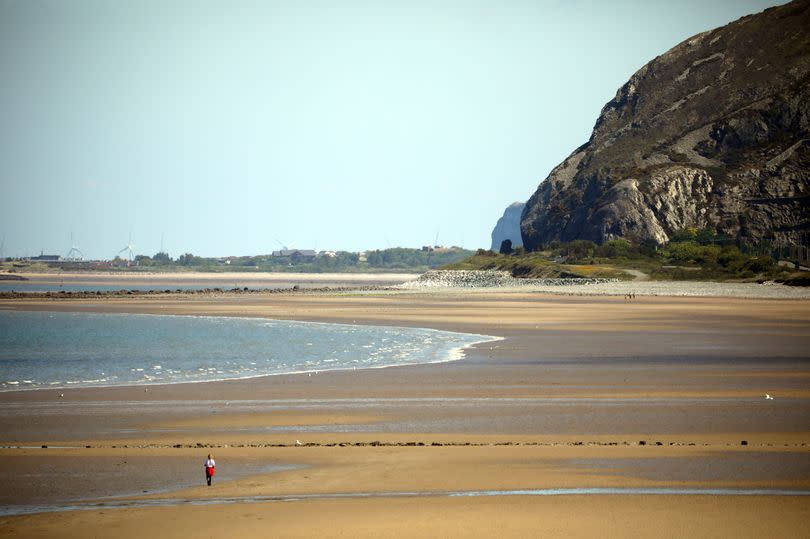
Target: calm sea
pixel 38 286
pixel 45 349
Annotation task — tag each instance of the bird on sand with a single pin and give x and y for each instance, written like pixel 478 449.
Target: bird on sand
pixel 768 397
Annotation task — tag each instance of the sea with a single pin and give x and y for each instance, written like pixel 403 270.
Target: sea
pixel 60 350
pixel 42 287
pixel 39 286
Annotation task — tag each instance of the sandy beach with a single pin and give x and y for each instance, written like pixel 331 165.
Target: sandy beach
pixel 582 392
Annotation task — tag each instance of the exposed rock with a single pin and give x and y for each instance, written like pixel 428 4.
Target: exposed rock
pixel 506 247
pixel 508 227
pixel 715 133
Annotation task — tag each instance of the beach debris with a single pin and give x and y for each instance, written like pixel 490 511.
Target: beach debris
pixel 61 395
pixel 768 397
pixel 298 442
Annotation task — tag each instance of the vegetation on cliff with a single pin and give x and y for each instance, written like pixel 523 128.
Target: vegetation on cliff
pixel 692 254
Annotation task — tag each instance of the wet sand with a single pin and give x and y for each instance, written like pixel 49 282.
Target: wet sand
pixel 571 516
pixel 565 400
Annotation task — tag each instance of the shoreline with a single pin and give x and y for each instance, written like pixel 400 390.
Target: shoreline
pixel 455 353
pixel 232 283
pixel 335 312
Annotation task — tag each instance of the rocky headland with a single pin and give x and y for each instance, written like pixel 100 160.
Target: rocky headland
pixel 508 227
pixel 714 133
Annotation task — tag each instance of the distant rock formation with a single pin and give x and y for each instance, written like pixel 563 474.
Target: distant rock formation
pixel 508 227
pixel 715 133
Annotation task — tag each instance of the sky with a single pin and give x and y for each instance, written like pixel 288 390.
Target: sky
pixel 234 127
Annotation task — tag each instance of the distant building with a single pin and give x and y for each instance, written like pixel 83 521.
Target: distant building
pixel 438 249
pixel 297 255
pixel 46 258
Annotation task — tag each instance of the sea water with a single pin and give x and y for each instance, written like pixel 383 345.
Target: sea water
pixel 54 349
pixel 40 286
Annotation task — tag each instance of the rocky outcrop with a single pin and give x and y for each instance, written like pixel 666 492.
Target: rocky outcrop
pixel 508 227
pixel 715 133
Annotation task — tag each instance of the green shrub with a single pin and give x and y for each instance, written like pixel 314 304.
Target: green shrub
pixel 730 257
pixel 760 264
pixel 615 249
pixel 579 249
pixel 684 234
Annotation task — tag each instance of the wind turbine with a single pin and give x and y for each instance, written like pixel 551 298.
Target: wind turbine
pixel 285 247
pixel 129 249
pixel 74 250
pixel 435 241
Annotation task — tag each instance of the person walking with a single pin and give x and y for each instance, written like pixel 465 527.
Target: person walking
pixel 209 469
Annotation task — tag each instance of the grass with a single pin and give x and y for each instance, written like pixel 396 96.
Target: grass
pixel 535 266
pixel 598 271
pixel 682 261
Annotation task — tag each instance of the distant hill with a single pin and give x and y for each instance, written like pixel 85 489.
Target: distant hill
pixel 508 227
pixel 713 134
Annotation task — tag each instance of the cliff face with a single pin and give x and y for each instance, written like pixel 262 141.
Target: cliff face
pixel 715 133
pixel 508 227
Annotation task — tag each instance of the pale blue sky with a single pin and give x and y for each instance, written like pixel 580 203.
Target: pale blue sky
pixel 224 125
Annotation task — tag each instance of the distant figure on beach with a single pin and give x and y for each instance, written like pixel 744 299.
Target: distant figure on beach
pixel 209 469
